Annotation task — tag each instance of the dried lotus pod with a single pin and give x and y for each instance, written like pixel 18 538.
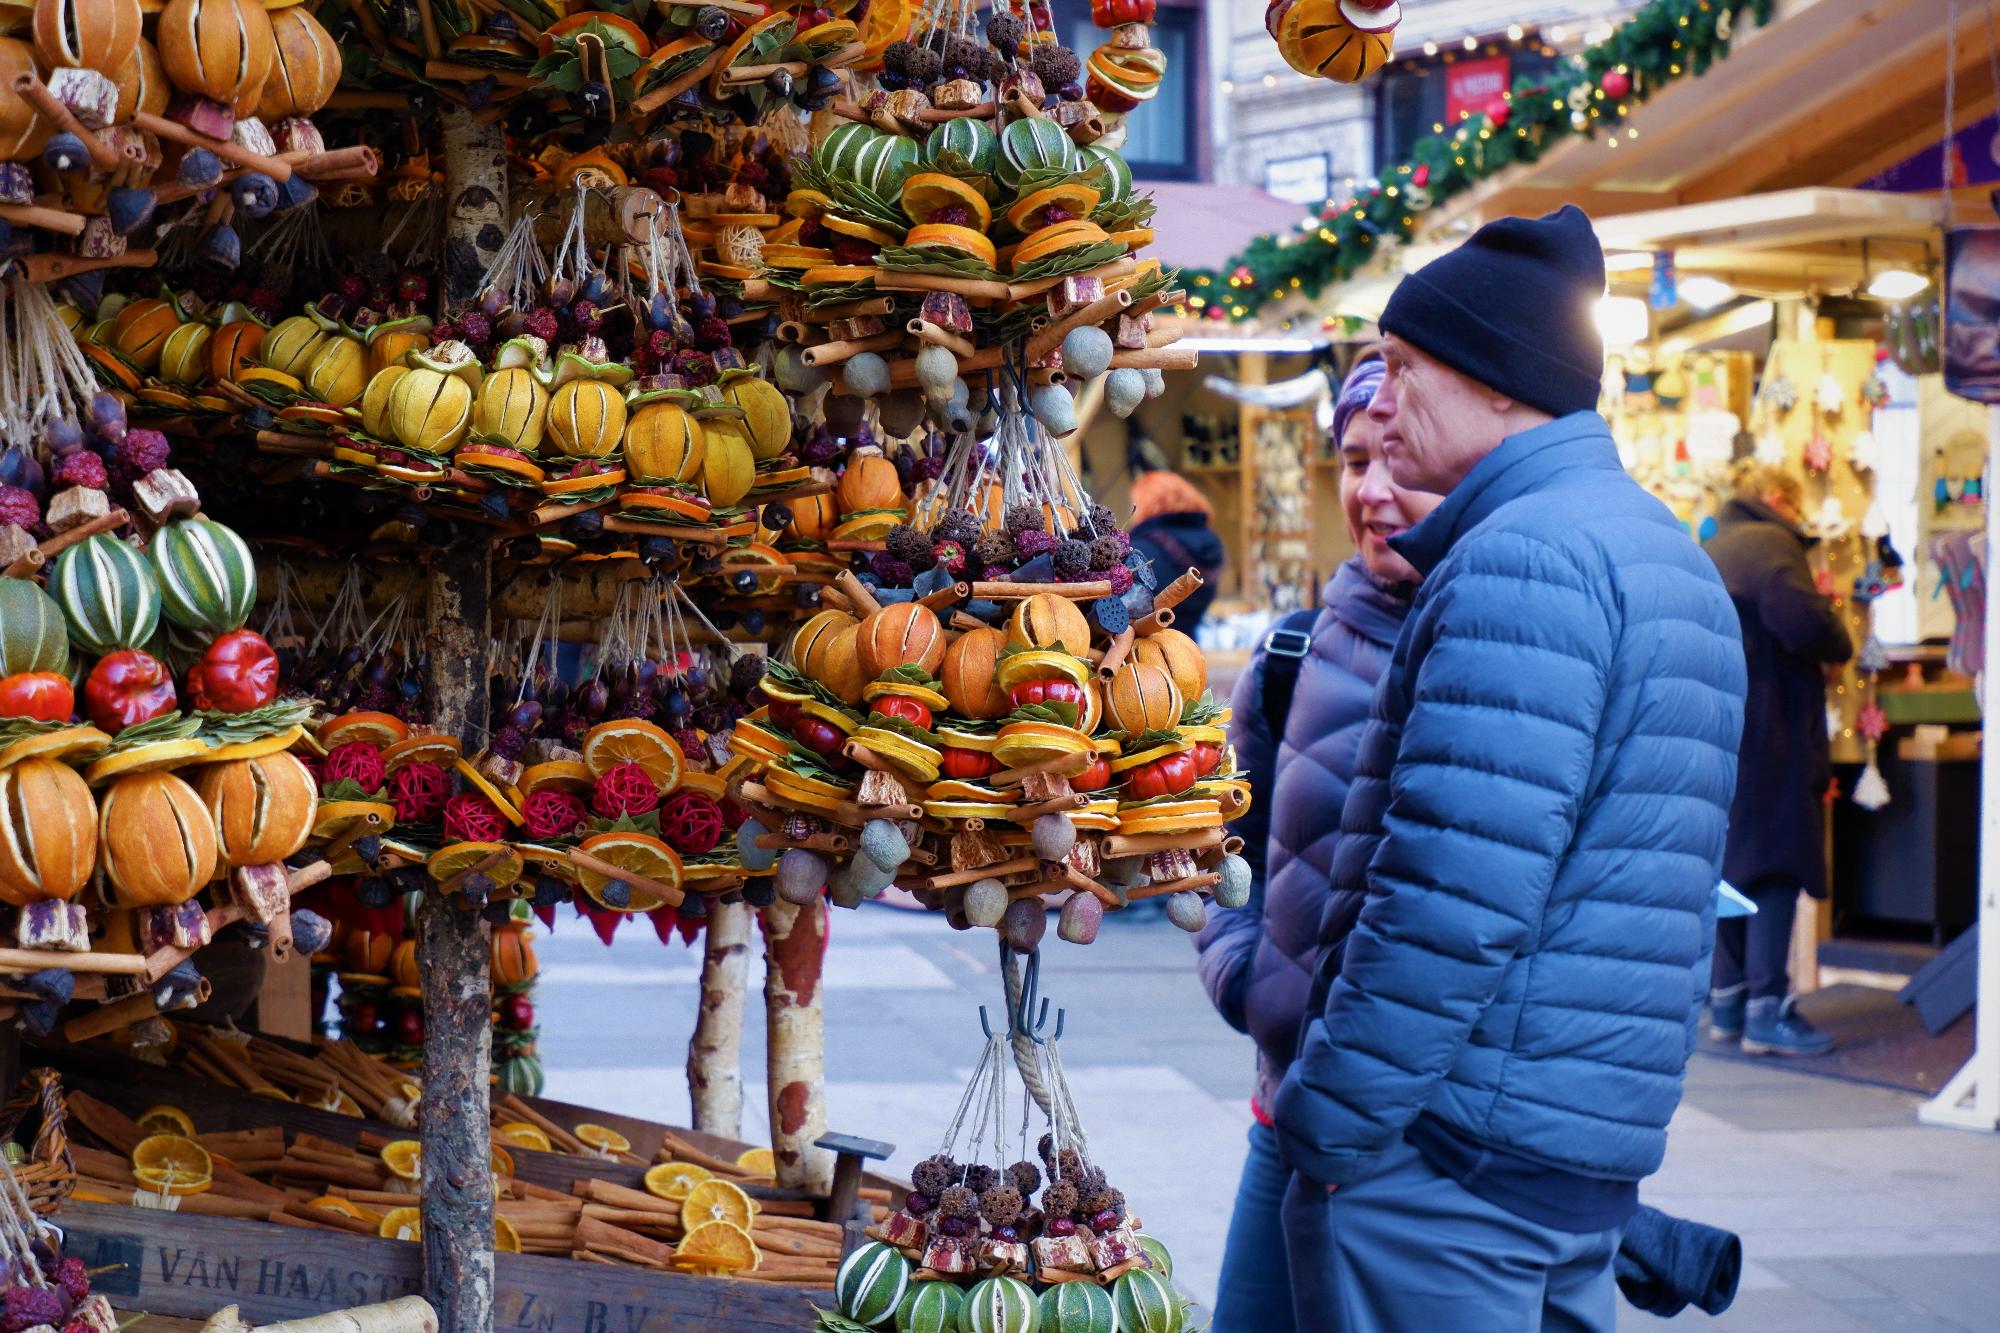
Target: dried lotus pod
pixel 218 49
pixel 86 34
pixel 305 66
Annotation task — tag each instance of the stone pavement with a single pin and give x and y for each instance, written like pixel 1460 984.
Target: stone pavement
pixel 1853 1217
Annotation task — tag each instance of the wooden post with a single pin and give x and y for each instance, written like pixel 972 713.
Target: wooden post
pixel 794 942
pixel 453 941
pixel 715 1052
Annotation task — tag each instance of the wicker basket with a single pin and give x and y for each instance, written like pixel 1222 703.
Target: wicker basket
pixel 37 1117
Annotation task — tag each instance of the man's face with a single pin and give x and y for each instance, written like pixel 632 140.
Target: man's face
pixel 1436 422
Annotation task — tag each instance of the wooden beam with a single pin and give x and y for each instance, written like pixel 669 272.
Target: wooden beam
pixel 1818 42
pixel 1783 219
pixel 1818 137
pixel 1970 112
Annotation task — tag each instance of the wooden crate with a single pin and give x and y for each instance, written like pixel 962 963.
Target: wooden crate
pixel 189 1266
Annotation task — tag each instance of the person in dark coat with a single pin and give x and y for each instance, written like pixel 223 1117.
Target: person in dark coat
pixel 1257 961
pixel 1777 828
pixel 1533 834
pixel 1172 526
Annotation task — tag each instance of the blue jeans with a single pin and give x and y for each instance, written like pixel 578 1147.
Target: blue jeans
pixel 1254 1294
pixel 1407 1249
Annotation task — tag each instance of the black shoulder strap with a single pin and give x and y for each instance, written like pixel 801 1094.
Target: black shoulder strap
pixel 1285 649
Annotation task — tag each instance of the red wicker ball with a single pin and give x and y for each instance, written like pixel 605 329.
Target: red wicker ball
pixel 627 789
pixel 356 761
pixel 691 823
pixel 552 813
pixel 470 817
pixel 419 791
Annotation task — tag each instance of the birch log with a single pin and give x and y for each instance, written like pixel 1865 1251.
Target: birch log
pixel 408 1315
pixel 794 947
pixel 715 1052
pixel 475 183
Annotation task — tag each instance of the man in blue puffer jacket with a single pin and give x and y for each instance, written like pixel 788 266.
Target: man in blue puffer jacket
pixel 1535 830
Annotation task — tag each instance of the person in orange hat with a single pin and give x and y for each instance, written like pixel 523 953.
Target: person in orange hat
pixel 1173 526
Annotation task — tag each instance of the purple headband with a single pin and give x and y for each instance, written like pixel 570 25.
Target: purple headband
pixel 1355 393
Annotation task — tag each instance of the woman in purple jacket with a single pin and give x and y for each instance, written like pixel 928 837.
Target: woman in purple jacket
pixel 1257 961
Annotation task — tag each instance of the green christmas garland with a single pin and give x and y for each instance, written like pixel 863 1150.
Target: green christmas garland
pixel 1593 90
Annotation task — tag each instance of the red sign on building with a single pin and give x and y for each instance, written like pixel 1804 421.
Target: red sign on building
pixel 1470 84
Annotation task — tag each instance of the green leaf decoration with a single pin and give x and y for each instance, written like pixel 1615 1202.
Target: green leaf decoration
pixel 794 681
pixel 1059 714
pixel 21 728
pixel 830 1322
pixel 667 71
pixel 911 673
pixel 648 824
pixel 1119 214
pixel 173 726
pixel 1201 712
pixel 936 261
pixel 347 789
pixel 809 765
pixel 853 201
pixel 904 728
pixel 1070 260
pixel 230 728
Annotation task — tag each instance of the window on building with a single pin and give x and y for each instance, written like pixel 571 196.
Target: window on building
pixel 1163 137
pixel 1413 97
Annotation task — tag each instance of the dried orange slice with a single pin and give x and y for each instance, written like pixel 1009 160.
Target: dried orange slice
pixel 634 741
pixel 673 1180
pixel 861 231
pixel 328 1203
pixel 173 1164
pixel 717 1201
pixel 380 730
pixel 404 1158
pixel 166 1120
pixel 568 775
pixel 751 556
pixel 505 1238
pixel 149 757
pixel 446 862
pixel 759 1162
pixel 741 45
pixel 807 203
pixel 886 21
pixel 401 1224
pixel 1032 212
pixel 603 1138
pixel 524 1135
pixel 334 818
pixel 636 853
pixel 717 1247
pixel 428 747
pixel 256 749
pixel 928 191
pixel 962 240
pixel 503 1162
pixel 485 787
pixel 69 744
pixel 710 785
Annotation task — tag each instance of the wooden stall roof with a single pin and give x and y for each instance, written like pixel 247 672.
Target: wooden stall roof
pixel 1828 94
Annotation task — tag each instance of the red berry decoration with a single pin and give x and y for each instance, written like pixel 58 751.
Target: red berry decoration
pixel 419 791
pixel 552 813
pixel 691 823
pixel 357 762
pixel 1497 112
pixel 1616 83
pixel 627 789
pixel 470 817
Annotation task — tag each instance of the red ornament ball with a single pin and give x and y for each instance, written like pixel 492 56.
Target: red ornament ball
pixel 627 789
pixel 1498 111
pixel 419 791
pixel 1615 83
pixel 691 823
pixel 356 761
pixel 470 817
pixel 552 813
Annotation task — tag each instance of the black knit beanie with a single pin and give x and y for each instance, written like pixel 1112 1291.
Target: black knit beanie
pixel 1515 309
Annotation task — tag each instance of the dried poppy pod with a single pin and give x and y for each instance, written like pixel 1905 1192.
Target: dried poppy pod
pixel 86 34
pixel 305 66
pixel 968 673
pixel 21 130
pixel 218 49
pixel 48 832
pixel 1142 698
pixel 263 808
pixel 157 839
pixel 901 634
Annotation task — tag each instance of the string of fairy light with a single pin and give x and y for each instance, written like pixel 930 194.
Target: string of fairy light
pixel 1592 92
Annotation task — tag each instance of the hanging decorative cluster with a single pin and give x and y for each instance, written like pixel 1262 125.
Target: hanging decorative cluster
pixel 1589 93
pixel 120 120
pixel 1001 714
